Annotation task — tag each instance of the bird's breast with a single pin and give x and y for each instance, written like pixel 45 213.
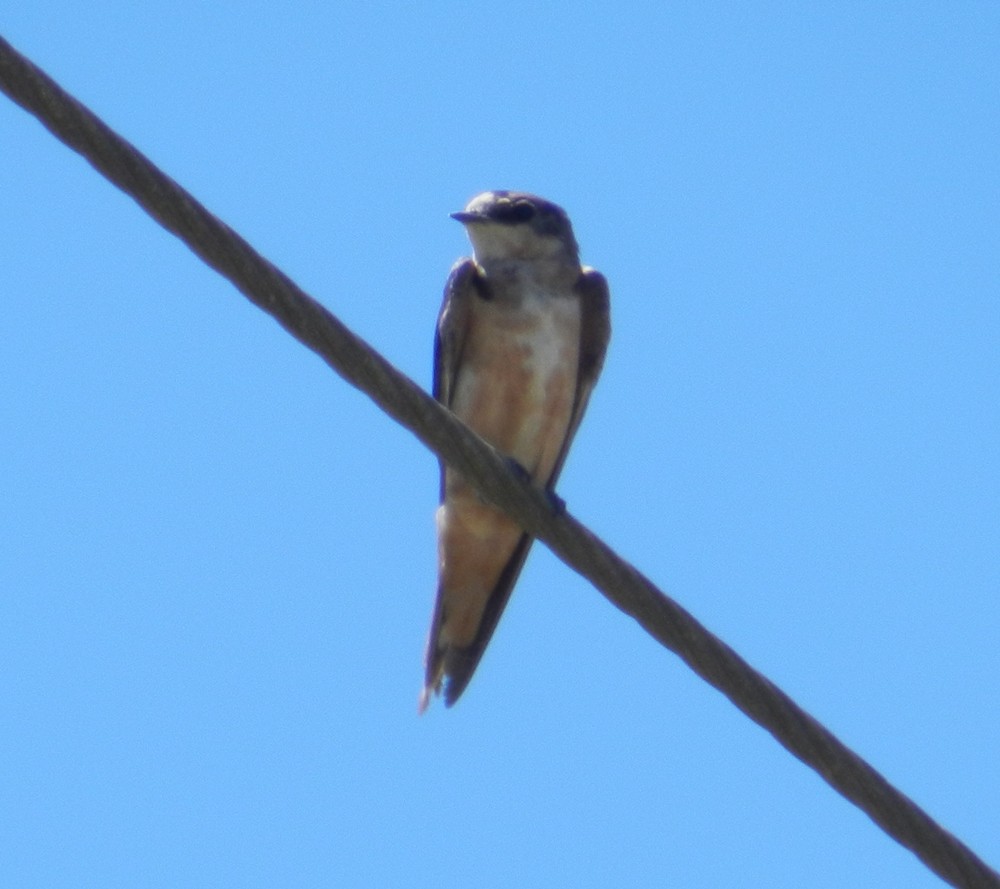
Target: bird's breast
pixel 517 381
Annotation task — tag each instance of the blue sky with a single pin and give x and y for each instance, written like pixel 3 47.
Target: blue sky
pixel 217 560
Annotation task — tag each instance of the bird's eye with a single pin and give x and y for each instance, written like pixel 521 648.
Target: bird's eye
pixel 522 211
pixel 512 213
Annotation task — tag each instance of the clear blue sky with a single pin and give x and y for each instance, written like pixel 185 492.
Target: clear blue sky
pixel 217 560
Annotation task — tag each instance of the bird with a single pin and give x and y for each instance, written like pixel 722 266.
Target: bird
pixel 519 344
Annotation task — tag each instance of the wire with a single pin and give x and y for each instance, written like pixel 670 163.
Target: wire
pixel 352 358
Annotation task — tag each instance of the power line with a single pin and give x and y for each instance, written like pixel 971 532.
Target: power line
pixel 359 364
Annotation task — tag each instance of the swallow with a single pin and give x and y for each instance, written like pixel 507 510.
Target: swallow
pixel 519 345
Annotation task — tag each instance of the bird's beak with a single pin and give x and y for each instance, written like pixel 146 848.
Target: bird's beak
pixel 465 217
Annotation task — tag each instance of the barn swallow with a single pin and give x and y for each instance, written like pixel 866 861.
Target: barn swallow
pixel 520 342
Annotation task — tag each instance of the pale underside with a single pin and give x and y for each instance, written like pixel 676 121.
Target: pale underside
pixel 516 388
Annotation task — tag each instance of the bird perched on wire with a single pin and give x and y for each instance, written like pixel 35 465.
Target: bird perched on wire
pixel 520 342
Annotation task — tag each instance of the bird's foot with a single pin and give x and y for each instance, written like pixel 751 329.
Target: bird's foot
pixel 518 470
pixel 557 504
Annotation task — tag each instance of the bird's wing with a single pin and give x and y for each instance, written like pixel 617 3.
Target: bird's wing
pixel 465 284
pixel 453 324
pixel 595 332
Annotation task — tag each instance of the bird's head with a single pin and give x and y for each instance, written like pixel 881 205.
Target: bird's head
pixel 505 225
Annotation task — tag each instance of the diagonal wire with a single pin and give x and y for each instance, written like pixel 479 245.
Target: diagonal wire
pixel 623 585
